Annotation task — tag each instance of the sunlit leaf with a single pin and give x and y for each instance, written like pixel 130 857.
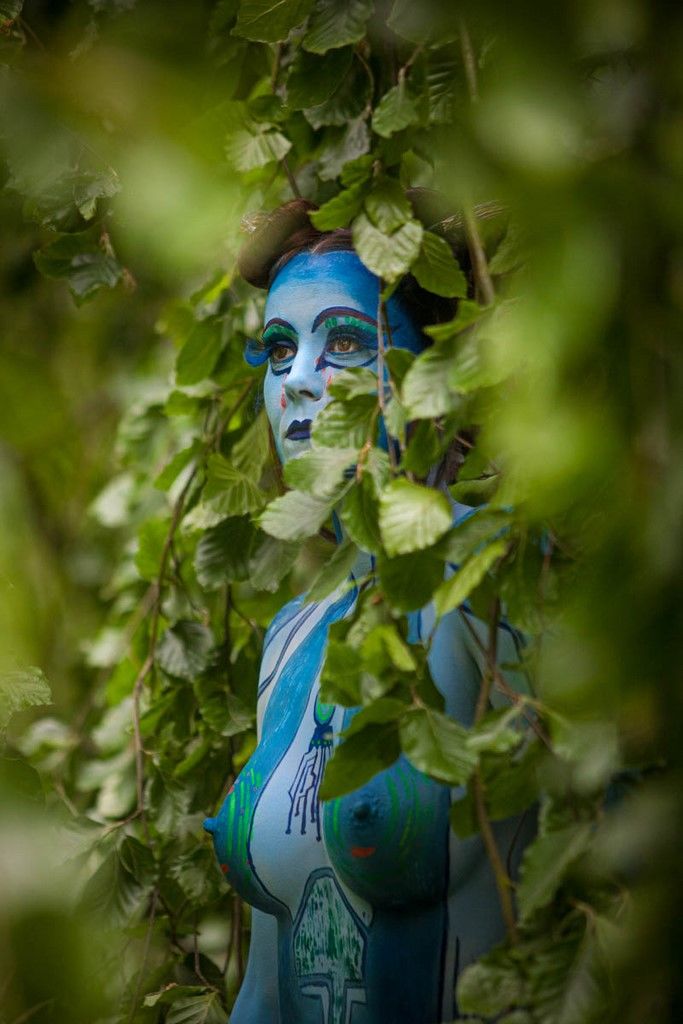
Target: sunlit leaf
pixel 387 255
pixel 320 471
pixel 23 688
pixel 396 110
pixel 412 517
pixel 295 515
pixel 454 591
pixel 437 745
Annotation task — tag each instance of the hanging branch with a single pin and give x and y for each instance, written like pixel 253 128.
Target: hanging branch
pixel 482 277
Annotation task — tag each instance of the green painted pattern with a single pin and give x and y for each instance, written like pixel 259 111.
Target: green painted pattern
pixel 329 943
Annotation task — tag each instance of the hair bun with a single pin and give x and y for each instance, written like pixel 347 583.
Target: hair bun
pixel 269 236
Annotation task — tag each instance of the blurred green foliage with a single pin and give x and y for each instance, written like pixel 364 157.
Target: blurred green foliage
pixel 146 537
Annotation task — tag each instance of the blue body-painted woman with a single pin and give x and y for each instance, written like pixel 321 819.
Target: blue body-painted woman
pixel 365 908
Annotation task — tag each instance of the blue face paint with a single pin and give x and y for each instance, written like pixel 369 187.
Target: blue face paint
pixel 320 319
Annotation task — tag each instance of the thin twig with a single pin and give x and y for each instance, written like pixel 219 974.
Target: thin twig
pixel 34 1009
pixel 491 660
pixel 482 277
pixel 480 267
pixel 502 880
pixel 469 61
pixel 277 59
pixel 500 874
pixel 504 686
pixel 290 178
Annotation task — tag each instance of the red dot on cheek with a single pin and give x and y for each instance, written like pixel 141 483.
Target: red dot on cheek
pixel 283 400
pixel 224 868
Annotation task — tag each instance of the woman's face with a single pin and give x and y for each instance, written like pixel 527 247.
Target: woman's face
pixel 320 319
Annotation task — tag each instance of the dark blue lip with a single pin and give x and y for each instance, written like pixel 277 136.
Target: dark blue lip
pixel 299 430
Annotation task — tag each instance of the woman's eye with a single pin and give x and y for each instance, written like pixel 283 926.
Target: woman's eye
pixel 279 353
pixel 344 345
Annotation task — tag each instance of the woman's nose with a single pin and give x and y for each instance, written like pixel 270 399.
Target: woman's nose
pixel 304 379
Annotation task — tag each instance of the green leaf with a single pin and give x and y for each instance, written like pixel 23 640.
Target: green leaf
pixel 200 353
pixel 151 540
pixel 387 256
pixel 10 10
pixel 112 891
pixel 339 211
pixel 334 572
pixel 386 205
pixel 270 21
pixel 408 581
pixel 223 553
pixel 360 515
pixel 226 714
pixel 467 535
pixel 476 492
pixel 312 79
pixel 437 745
pixel 358 171
pixel 494 735
pixel 424 448
pixel 346 424
pixel 352 383
pixel 341 675
pixel 380 712
pixel 546 863
pixel 393 645
pixel 176 465
pixel 248 150
pixel 469 313
pixel 184 650
pixel 489 988
pixel 395 111
pixel 204 1009
pixel 334 24
pixel 425 391
pixel 358 758
pixel 428 20
pixel 320 471
pixel 83 260
pixel 295 515
pixel 454 591
pixel 21 689
pixel 271 562
pixel 353 142
pixel 437 269
pixel 347 104
pixel 171 993
pixel 411 517
pixel 251 452
pixel 230 491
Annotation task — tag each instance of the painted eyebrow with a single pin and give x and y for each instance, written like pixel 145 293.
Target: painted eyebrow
pixel 342 311
pixel 284 326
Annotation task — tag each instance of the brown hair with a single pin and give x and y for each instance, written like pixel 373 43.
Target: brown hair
pixel 274 239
